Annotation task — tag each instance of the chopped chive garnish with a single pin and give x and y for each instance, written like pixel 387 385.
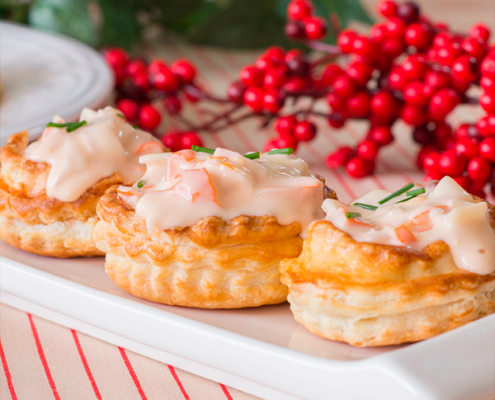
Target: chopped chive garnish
pixel 352 215
pixel 406 199
pixel 71 126
pixel 135 126
pixel 120 115
pixel 140 184
pixel 202 149
pixel 287 150
pixel 398 193
pixel 252 156
pixel 366 206
pixel 415 192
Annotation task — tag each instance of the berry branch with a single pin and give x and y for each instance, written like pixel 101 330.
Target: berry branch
pixel 408 68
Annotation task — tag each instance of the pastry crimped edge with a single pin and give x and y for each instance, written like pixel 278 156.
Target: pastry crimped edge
pixel 369 294
pixel 31 220
pixel 212 264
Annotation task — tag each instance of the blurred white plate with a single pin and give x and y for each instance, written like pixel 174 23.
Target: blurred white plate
pixel 45 74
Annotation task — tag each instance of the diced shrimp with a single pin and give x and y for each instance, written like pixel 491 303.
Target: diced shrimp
pixel 149 147
pixel 405 235
pixel 358 222
pixel 195 185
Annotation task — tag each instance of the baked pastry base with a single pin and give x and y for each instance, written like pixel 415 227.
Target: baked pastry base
pixel 368 294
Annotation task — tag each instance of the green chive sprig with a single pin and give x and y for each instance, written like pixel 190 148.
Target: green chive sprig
pixel 397 193
pixel 120 115
pixel 252 156
pixel 70 126
pixel 415 192
pixel 140 184
pixel 287 150
pixel 202 149
pixel 365 206
pixel 352 215
pixel 135 126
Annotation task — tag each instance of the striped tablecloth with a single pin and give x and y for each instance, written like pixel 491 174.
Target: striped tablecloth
pixel 42 360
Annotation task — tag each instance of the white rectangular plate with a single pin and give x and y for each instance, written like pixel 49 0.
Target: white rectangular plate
pixel 262 350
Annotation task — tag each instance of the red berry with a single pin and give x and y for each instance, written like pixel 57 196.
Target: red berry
pixel 487 103
pixel 315 27
pixel 116 57
pixel 295 85
pixel 486 125
pixel 330 73
pixel 287 142
pixel 408 12
pixel 253 98
pixel 397 79
pixel 387 8
pixel 433 176
pixel 337 120
pixel 336 103
pixel 190 139
pixel 368 150
pixel 474 47
pixel 437 80
pixel 422 153
pixel 293 53
pixel 423 135
pixel 487 149
pixel 467 147
pixel 273 100
pixel 129 108
pixel 294 30
pixel 345 40
pixel 274 78
pixel 488 84
pixel 384 105
pixel 344 86
pixel 480 31
pixel 414 67
pixel 299 9
pixel 358 106
pixel 299 66
pixel 339 158
pixel 285 125
pixel 157 66
pixel 251 76
pixel 358 167
pixel 443 133
pixel 430 162
pixel 236 92
pixel 381 135
pixel 172 104
pixel 414 94
pixel 447 55
pixel 419 35
pixel 363 46
pixel 166 80
pixel 272 144
pixel 304 131
pixel 413 115
pixel 463 181
pixel 149 117
pixel 184 69
pixel 396 27
pixel 142 81
pixel 451 163
pixel 442 103
pixel 393 47
pixel 136 67
pixel 359 71
pixel 275 53
pixel 172 141
pixel 379 32
pixel 479 169
pixel 488 66
pixel 195 93
pixel 465 68
pixel 264 62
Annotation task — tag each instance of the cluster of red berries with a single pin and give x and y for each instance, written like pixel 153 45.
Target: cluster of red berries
pixel 302 23
pixel 408 68
pixel 141 86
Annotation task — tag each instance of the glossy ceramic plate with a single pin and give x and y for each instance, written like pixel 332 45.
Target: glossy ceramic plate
pixel 262 350
pixel 45 74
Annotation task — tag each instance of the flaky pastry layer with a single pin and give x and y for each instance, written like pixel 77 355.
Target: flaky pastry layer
pixel 370 294
pixel 212 264
pixel 25 206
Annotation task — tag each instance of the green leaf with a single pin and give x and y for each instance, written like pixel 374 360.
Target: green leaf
pixel 120 25
pixel 69 17
pixel 243 24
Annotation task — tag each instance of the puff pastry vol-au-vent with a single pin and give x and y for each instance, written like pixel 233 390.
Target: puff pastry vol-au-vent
pixel 389 269
pixel 208 230
pixel 49 189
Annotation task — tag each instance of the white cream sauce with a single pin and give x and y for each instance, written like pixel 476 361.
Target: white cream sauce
pixel 444 212
pixel 79 159
pixel 181 188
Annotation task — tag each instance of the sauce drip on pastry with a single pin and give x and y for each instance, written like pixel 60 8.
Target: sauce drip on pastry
pixel 444 212
pixel 107 143
pixel 181 188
